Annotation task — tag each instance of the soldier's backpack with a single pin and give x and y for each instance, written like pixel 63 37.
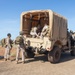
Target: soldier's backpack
pixel 3 42
pixel 19 40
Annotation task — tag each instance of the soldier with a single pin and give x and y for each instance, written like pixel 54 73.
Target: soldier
pixel 8 47
pixel 33 32
pixel 20 41
pixel 39 28
pixel 44 30
pixel 72 38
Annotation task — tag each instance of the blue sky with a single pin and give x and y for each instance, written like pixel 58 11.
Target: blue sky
pixel 10 11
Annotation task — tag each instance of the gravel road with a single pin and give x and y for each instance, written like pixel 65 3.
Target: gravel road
pixel 39 66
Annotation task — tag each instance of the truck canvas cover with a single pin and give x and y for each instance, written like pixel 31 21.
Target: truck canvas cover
pixel 57 23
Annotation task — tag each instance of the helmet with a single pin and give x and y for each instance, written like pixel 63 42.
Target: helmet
pixel 9 34
pixel 21 32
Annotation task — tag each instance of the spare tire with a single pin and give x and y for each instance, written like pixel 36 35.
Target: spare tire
pixel 29 52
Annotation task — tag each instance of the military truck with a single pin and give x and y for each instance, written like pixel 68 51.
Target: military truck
pixel 58 38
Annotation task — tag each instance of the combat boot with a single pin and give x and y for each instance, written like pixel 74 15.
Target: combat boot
pixel 5 59
pixel 16 62
pixel 8 59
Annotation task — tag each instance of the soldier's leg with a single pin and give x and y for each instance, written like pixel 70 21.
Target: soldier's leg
pixel 17 53
pixel 8 53
pixel 5 55
pixel 23 55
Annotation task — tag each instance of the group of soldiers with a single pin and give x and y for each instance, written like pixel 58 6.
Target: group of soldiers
pixel 39 32
pixel 20 47
pixel 21 42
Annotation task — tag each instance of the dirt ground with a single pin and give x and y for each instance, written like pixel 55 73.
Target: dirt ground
pixel 37 66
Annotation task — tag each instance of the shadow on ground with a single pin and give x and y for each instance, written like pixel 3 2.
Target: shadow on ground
pixel 64 57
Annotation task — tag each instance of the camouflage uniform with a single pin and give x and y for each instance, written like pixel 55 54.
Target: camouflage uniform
pixel 34 32
pixel 21 47
pixel 7 48
pixel 44 31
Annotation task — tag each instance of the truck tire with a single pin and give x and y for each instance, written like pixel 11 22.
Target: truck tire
pixel 73 52
pixel 54 55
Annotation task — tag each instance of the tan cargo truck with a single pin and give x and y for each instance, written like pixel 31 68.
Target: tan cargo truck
pixel 57 39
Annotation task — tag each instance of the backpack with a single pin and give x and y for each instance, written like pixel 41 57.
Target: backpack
pixel 19 40
pixel 3 42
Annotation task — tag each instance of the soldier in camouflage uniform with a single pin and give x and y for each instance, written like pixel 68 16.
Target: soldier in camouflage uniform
pixel 33 32
pixel 7 47
pixel 44 31
pixel 21 47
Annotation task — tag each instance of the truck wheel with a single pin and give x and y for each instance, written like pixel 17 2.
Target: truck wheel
pixel 73 52
pixel 54 55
